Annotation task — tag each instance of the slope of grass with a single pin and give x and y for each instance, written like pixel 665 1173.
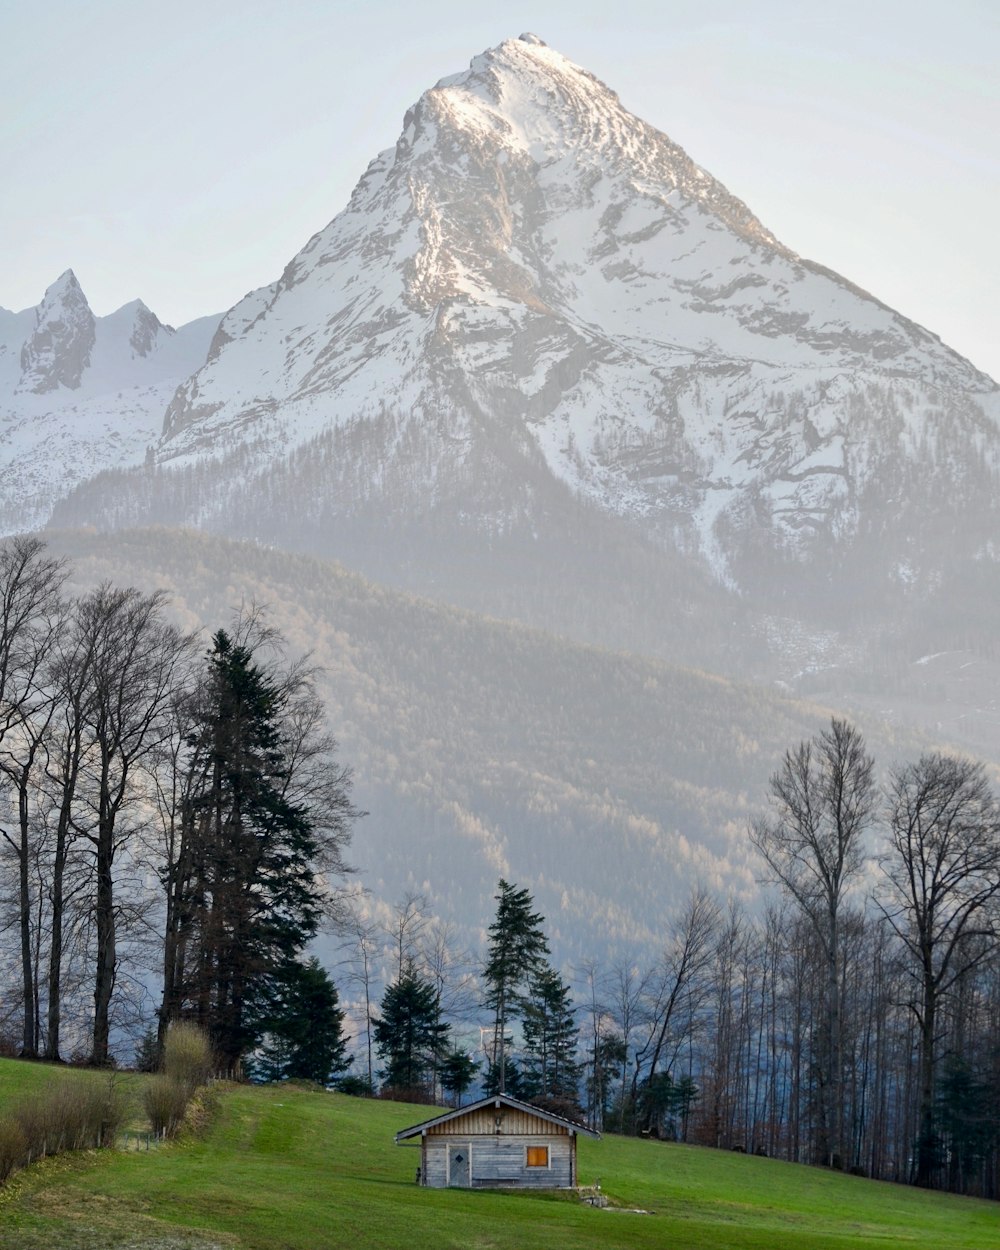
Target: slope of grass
pixel 301 1170
pixel 20 1080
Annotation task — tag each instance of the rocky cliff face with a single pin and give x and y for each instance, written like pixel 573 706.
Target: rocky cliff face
pixel 62 340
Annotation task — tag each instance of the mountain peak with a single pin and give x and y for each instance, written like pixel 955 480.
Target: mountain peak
pixel 66 279
pixel 142 324
pixel 133 307
pixel 524 100
pixel 534 267
pixel 60 346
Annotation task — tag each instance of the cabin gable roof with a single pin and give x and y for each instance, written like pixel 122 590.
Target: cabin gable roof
pixel 546 1121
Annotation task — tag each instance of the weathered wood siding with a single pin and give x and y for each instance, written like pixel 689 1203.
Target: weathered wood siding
pixel 500 1160
pixel 436 1162
pixel 483 1123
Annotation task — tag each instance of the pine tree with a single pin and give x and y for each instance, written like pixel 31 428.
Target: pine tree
pixel 666 1104
pixel 458 1071
pixel 513 1083
pixel 517 948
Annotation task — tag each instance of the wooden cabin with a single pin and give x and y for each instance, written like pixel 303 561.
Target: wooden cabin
pixel 497 1142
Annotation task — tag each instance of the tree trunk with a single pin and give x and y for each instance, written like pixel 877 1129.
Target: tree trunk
pixel 104 972
pixel 29 1039
pixel 835 1078
pixel 68 782
pixel 926 1163
pixel 54 1019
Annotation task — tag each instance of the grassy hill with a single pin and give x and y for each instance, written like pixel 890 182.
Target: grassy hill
pixel 295 1169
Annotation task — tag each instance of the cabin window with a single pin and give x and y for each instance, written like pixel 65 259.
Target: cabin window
pixel 538 1156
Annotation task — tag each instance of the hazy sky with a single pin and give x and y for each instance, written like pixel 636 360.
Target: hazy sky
pixel 182 152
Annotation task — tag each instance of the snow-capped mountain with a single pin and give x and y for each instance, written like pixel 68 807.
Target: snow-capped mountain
pixel 59 348
pixel 80 393
pixel 533 267
pixel 536 303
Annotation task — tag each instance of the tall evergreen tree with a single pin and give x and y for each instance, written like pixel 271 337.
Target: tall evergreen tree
pixel 303 1027
pixel 517 948
pixel 409 1034
pixel 551 1072
pixel 458 1071
pixel 243 893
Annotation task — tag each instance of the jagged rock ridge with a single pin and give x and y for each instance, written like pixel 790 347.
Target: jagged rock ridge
pixel 61 343
pixel 80 393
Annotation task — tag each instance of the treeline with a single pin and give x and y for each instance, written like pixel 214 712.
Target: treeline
pixel 173 823
pixel 851 1023
pixel 854 1023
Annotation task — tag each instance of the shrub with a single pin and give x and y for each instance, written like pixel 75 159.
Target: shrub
pixel 109 1109
pixel 13 1147
pixel 187 1064
pixel 187 1056
pixel 166 1101
pixel 73 1115
pixel 356 1086
pixel 407 1093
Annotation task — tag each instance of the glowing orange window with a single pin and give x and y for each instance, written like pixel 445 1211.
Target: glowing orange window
pixel 538 1156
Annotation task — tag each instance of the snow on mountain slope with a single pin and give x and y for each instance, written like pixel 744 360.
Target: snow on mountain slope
pixel 533 264
pixel 80 393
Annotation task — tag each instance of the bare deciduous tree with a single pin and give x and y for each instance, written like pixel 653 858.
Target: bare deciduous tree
pixel 944 874
pixel 679 982
pixel 362 943
pixel 125 692
pixel 814 845
pixel 30 610
pixel 409 920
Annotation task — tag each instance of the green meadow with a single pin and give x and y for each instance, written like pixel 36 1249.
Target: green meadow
pixel 286 1168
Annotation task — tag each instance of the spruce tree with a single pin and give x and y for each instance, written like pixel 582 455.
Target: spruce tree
pixel 409 1033
pixel 458 1071
pixel 551 1071
pixel 303 1028
pixel 516 950
pixel 244 896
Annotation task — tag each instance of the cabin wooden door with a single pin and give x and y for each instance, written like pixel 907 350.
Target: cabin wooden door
pixel 458 1166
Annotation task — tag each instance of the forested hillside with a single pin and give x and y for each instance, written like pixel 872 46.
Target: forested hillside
pixel 482 749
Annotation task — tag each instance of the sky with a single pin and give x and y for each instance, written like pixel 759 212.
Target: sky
pixel 182 153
